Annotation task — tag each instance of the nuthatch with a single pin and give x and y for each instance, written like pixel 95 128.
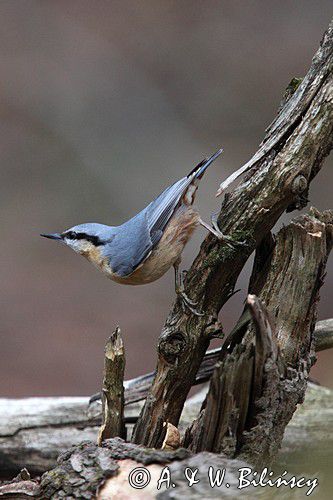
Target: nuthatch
pixel 142 249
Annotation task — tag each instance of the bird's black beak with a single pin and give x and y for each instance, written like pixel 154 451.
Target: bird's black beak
pixel 52 236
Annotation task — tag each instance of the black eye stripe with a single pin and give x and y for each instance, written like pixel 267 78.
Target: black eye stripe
pixel 81 236
pixel 72 235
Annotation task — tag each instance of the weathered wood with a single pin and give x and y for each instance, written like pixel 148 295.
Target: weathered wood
pixel 323 335
pixel 236 380
pixel 88 471
pixel 291 294
pixel 291 155
pixel 33 431
pixel 309 432
pixel 262 375
pixel 113 389
pixel 136 389
pixel 172 438
pixel 91 472
pixel 20 489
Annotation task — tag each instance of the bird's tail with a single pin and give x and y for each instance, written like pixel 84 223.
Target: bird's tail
pixel 200 169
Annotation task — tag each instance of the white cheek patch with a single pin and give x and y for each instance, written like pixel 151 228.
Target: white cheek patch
pixel 79 246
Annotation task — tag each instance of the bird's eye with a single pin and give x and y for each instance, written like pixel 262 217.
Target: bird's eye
pixel 70 235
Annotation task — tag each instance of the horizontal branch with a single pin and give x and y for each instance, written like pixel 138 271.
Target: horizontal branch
pixel 323 335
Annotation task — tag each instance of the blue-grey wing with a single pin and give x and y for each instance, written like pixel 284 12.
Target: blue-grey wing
pixel 162 208
pixel 136 238
pixel 130 245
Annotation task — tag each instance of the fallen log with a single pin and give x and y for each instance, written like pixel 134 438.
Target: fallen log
pixel 308 434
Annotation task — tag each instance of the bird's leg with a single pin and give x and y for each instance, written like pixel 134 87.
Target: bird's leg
pixel 215 230
pixel 179 287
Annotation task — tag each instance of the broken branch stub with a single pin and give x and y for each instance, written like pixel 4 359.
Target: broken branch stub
pixel 113 389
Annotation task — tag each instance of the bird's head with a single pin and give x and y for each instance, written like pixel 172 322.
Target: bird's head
pixel 84 239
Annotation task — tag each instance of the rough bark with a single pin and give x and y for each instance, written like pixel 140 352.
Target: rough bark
pixel 288 159
pixel 262 373
pixel 89 471
pixel 113 389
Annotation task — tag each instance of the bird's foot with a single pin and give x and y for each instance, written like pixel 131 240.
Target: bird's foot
pixel 223 237
pixel 188 303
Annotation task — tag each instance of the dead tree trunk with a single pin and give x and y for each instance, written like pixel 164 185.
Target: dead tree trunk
pixel 263 368
pixel 290 156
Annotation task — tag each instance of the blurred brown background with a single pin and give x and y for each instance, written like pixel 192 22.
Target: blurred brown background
pixel 102 105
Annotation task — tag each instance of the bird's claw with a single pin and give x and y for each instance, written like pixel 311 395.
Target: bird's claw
pixel 233 243
pixel 228 240
pixel 223 237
